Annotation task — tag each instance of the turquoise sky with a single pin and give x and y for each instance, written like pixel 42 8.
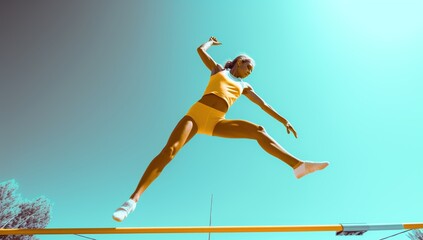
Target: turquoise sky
pixel 90 91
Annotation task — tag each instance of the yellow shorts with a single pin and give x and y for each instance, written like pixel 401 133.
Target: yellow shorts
pixel 205 117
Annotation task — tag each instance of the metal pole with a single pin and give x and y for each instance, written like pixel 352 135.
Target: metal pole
pixel 211 209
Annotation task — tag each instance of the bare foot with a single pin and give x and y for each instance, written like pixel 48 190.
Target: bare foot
pixel 309 167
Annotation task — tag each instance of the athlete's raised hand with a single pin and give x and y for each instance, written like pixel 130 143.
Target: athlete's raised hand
pixel 214 41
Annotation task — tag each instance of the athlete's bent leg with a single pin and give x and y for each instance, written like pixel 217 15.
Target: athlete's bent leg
pixel 245 129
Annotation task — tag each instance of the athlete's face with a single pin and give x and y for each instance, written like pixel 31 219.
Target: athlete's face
pixel 245 67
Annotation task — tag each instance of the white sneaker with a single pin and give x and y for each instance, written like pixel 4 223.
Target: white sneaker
pixel 127 207
pixel 309 167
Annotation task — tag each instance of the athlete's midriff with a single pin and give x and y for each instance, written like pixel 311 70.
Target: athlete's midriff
pixel 215 102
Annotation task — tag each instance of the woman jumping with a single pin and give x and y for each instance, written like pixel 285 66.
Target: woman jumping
pixel 207 116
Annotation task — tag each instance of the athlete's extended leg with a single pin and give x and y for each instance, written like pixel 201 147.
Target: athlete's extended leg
pixel 245 129
pixel 183 132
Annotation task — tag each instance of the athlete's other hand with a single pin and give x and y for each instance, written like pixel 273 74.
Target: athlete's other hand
pixel 290 128
pixel 214 41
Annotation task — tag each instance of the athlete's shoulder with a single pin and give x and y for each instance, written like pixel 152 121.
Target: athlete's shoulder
pixel 216 69
pixel 248 86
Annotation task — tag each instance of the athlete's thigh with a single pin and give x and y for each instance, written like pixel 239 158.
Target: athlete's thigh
pixel 182 133
pixel 236 129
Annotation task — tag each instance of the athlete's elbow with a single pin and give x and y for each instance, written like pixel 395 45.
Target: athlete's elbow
pixel 200 49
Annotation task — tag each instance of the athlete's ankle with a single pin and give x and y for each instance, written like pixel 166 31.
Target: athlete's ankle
pixel 297 164
pixel 135 198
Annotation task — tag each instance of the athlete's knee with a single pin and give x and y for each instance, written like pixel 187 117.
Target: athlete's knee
pixel 261 129
pixel 169 152
pixel 260 132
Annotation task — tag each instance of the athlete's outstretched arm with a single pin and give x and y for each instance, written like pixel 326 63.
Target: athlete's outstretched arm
pixel 202 51
pixel 255 98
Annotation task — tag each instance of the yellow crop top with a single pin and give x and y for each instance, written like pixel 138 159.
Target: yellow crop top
pixel 226 86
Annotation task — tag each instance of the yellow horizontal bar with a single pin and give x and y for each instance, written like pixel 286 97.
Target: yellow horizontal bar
pixel 413 225
pixel 213 229
pixel 139 230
